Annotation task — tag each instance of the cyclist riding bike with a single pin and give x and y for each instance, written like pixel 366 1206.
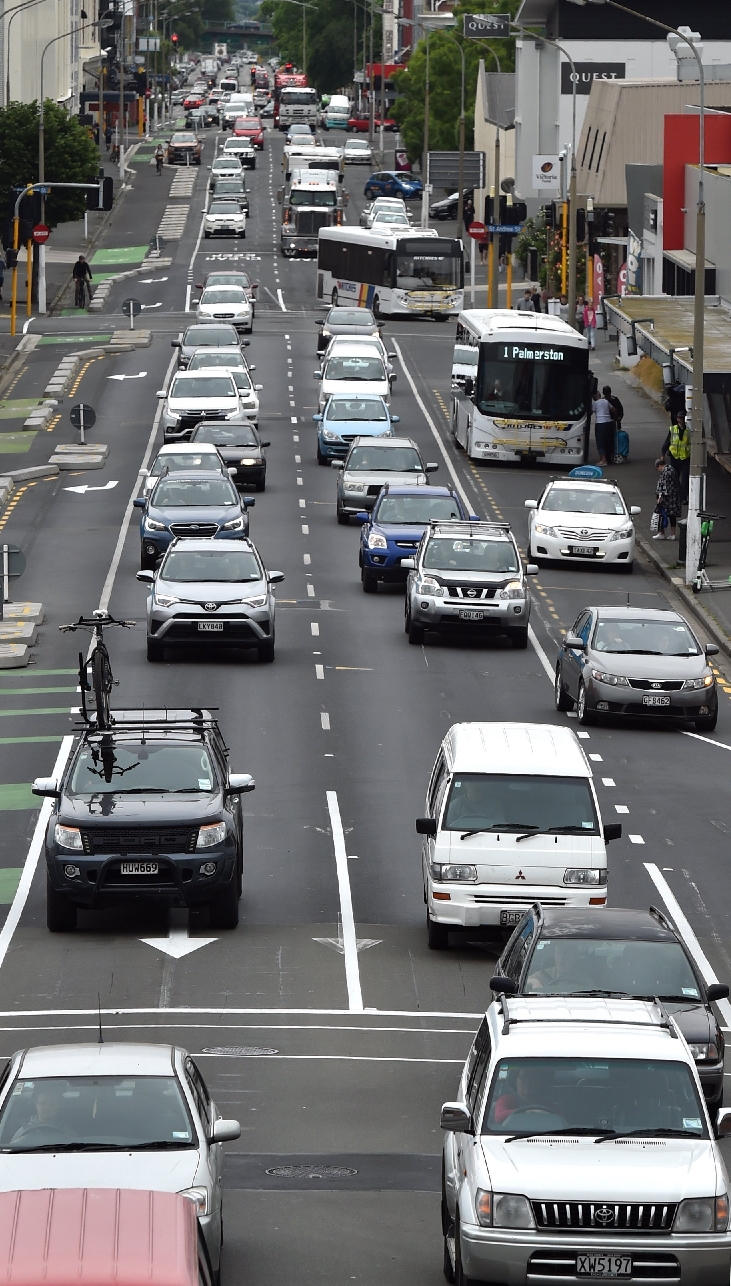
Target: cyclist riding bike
pixel 82 278
pixel 159 157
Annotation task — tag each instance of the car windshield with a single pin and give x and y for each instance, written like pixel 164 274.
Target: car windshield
pixel 229 279
pixel 223 295
pixel 202 386
pixel 90 1113
pixel 225 564
pixel 491 801
pixel 211 337
pixel 139 767
pixel 228 210
pixel 320 197
pixel 357 145
pixel 247 122
pixel 350 317
pixel 209 461
pixel 651 638
pixel 230 186
pixel 561 966
pixel 183 138
pixel 355 368
pixel 366 408
pixel 603 1096
pixel 206 361
pixel 417 509
pixel 384 459
pixel 227 435
pixel 390 216
pixel 188 493
pixel 469 554
pixel 582 500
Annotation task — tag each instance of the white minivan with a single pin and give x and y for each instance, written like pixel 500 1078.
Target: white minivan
pixel 511 818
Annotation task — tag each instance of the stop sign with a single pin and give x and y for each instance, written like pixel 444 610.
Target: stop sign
pixel 478 231
pixel 41 233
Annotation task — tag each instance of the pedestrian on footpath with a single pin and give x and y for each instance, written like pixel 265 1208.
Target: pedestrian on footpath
pixel 604 426
pixel 677 446
pixel 2 277
pixel 537 301
pixel 468 212
pixel 525 305
pixel 590 323
pixel 563 309
pixel 668 504
pixel 108 137
pixel 579 315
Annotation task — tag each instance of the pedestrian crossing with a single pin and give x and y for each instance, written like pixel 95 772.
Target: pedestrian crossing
pixel 172 224
pixel 184 182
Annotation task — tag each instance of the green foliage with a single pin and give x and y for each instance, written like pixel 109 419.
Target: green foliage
pixel 70 157
pixel 330 34
pixel 218 11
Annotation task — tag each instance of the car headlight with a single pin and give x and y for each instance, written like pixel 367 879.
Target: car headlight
pixel 706 681
pixel 332 436
pixel 210 835
pixel 153 525
pixel 377 541
pixel 502 1210
pixel 542 530
pixel 167 600
pixel 358 488
pixel 236 524
pixel 702 1214
pixel 199 1197
pixel 615 680
pixel 514 589
pixel 623 534
pixel 585 875
pixel 427 585
pixel 68 837
pixel 259 600
pixel 250 460
pixel 705 1053
pixel 173 415
pixel 463 874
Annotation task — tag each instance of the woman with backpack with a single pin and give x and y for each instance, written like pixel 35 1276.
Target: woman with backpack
pixel 605 419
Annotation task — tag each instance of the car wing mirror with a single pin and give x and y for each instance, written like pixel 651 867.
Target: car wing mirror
pixel 144 473
pixel 431 468
pixel 249 502
pixel 717 991
pixel 409 564
pixel 48 787
pixel 161 393
pixel 265 444
pixel 139 502
pixel 175 343
pixel 499 983
pixel 337 464
pixel 457 1117
pixel 362 516
pixel 317 375
pixel 612 830
pixel 317 417
pixel 426 826
pixel 711 649
pixel 573 641
pixel 224 1131
pixel 231 472
pixel 146 576
pixel 723 1123
pixel 531 504
pixel 258 387
pixel 532 569
pixel 240 783
pixel 469 386
pixel 635 509
pixel 275 578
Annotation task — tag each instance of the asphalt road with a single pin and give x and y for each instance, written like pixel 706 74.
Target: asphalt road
pixel 335 1062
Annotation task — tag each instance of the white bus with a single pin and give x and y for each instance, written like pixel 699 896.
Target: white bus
pixel 415 273
pixel 528 397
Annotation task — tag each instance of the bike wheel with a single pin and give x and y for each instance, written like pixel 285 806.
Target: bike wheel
pixel 101 678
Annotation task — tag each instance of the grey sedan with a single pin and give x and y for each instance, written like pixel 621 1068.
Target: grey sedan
pixel 643 662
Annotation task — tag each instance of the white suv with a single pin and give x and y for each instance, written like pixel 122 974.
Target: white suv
pixel 581 1149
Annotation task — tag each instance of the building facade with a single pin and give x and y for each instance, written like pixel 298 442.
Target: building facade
pixel 54 34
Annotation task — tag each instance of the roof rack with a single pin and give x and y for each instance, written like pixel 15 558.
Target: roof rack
pixel 511 1020
pixel 468 524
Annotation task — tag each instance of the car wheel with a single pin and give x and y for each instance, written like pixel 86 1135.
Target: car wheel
pixel 519 638
pixel 265 651
pixel 561 698
pixel 155 650
pixel 343 519
pixel 437 934
pixel 415 632
pixel 60 911
pixel 321 459
pixel 582 713
pixel 223 911
pixel 369 582
pixel 707 723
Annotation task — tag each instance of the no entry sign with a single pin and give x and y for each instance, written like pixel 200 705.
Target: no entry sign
pixel 41 233
pixel 478 231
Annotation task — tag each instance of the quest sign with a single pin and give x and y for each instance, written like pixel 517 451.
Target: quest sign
pixel 586 73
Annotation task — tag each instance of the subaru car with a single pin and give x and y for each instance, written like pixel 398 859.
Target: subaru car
pixel 346 417
pixel 392 183
pixel 212 593
pixel 575 521
pixel 394 527
pixel 467 580
pixel 241 450
pixel 198 395
pixel 190 506
pixel 369 465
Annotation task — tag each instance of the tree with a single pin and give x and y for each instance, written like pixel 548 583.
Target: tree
pixel 330 31
pixel 70 157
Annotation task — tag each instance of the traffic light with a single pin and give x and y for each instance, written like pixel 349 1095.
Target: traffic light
pixel 140 83
pixel 174 37
pixel 532 263
pixel 518 212
pixel 11 258
pixel 489 203
pixel 580 224
pixel 550 215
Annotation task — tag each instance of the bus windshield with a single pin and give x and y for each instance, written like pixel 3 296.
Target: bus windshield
pixel 417 270
pixel 545 382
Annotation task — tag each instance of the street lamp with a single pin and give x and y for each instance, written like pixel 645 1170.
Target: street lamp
pixel 697 464
pixel 42 164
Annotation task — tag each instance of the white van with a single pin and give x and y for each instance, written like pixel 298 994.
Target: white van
pixel 512 818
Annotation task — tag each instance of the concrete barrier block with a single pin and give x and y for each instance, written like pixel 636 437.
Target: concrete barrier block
pixel 13 655
pixel 24 612
pixel 18 632
pixel 35 471
pixel 77 461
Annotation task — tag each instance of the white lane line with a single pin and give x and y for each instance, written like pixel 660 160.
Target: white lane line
pixel 310 591
pixel 635 839
pixel 350 949
pixel 34 851
pixel 320 671
pixel 338 1058
pixel 597 759
pixel 315 628
pixel 305 529
pixel 468 504
pixel 584 736
pixel 188 289
pixel 307 560
pixel 325 721
pixel 682 924
pixel 697 737
pixel 116 558
pixel 94 1026
pixel 621 808
pixel 608 781
pixel 234 1011
pixel 281 301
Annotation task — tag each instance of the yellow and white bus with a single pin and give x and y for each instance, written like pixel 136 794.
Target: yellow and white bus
pixel 409 273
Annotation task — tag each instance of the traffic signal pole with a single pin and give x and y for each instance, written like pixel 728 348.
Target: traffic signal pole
pixel 28 190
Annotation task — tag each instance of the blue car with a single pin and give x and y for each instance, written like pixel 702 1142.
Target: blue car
pixel 195 505
pixel 346 417
pixel 392 183
pixel 394 527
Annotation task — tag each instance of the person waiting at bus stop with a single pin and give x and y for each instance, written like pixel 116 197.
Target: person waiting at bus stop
pixel 677 446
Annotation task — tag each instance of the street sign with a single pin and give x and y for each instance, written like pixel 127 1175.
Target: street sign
pixel 443 170
pixel 131 308
pixel 82 417
pixel 510 228
pixel 40 234
pixel 477 230
pixel 479 25
pixel 42 189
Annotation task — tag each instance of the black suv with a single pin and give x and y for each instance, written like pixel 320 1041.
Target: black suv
pixel 576 951
pixel 147 811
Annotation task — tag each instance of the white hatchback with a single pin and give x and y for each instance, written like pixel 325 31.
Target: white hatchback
pixel 357 151
pixel 226 303
pixel 224 218
pixel 355 371
pixel 368 344
pixel 581 521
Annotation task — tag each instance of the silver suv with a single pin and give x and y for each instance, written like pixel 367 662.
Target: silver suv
pixel 369 465
pixel 467 579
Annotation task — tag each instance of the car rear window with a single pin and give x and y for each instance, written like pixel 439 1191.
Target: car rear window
pixel 227 435
pixel 371 408
pixel 185 493
pixel 210 461
pixel 355 368
pixel 202 386
pixel 214 336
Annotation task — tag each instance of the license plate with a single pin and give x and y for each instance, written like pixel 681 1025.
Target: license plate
pixel 587 550
pixel 472 616
pixel 510 917
pixel 139 868
pixel 648 700
pixel 210 627
pixel 603 1265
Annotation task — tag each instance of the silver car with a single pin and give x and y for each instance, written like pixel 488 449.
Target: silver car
pixel 467 580
pixel 114 1116
pixel 370 465
pixel 226 303
pixel 198 395
pixel 209 592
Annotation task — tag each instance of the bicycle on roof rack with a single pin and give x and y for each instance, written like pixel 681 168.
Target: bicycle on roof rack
pixel 95 673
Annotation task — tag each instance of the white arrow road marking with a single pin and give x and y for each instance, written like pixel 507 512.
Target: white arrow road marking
pixel 140 376
pixel 157 305
pixel 361 944
pixel 177 944
pixel 85 487
pixel 148 281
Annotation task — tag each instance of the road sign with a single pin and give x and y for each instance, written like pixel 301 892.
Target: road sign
pixel 443 170
pixel 480 25
pixel 82 417
pixel 131 308
pixel 40 234
pixel 511 228
pixel 477 230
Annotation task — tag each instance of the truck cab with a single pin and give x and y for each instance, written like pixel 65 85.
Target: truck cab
pixel 311 199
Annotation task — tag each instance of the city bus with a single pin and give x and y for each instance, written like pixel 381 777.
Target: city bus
pixel 404 273
pixel 528 397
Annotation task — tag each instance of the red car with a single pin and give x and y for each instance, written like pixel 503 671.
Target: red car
pixel 359 124
pixel 250 127
pixel 194 100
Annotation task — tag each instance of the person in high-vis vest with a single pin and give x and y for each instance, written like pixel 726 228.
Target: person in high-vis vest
pixel 677 447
